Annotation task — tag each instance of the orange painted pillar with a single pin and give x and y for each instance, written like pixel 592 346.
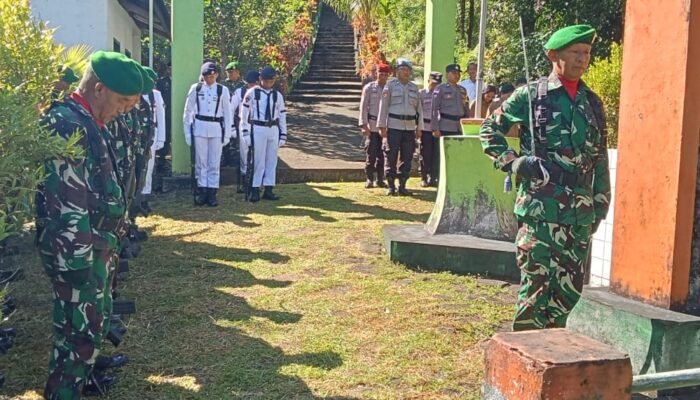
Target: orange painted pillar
pixel 658 152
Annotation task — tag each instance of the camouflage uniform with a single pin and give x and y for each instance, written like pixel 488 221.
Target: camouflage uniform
pixel 557 218
pixel 80 207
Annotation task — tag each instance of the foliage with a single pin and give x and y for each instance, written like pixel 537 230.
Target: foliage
pixel 29 63
pixel 76 57
pixel 604 78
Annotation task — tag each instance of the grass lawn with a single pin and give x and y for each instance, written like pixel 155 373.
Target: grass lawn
pixel 293 299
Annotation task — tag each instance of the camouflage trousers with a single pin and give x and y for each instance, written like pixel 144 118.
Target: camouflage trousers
pixel 551 259
pixel 78 320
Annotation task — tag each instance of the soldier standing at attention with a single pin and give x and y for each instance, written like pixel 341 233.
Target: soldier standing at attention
pixel 233 77
pixel 428 143
pixel 233 82
pixel 80 209
pixel 400 123
pixel 209 122
pixel 157 106
pixel 563 182
pixel 264 127
pixel 369 110
pixel 251 78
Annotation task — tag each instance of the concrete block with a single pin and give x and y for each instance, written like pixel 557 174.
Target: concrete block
pixel 414 246
pixel 554 364
pixel 657 340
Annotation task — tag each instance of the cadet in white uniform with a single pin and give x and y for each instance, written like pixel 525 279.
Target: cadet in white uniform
pixel 155 100
pixel 251 78
pixel 264 128
pixel 208 119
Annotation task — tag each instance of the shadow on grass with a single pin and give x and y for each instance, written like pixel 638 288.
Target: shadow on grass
pixel 302 200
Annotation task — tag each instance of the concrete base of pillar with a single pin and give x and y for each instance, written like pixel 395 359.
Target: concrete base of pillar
pixel 656 339
pixel 414 246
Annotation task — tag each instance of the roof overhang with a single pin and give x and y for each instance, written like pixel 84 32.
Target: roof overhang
pixel 138 10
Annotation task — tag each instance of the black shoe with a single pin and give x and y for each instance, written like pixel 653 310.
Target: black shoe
pixel 11 275
pixel 200 197
pixel 146 207
pixel 433 183
pixel 6 344
pixel 391 191
pixel 211 197
pixel 97 384
pixel 424 183
pixel 381 183
pixel 369 184
pixel 254 195
pixel 141 236
pixel 106 362
pixel 2 380
pixel 268 195
pixel 404 192
pixel 115 336
pixel 8 332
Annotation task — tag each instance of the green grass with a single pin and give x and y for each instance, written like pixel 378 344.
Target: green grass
pixel 280 300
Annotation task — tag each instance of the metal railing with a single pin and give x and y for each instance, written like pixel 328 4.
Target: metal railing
pixel 303 65
pixel 666 380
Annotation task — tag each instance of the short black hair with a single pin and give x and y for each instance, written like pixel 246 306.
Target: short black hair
pixel 489 88
pixel 520 81
pixel 507 88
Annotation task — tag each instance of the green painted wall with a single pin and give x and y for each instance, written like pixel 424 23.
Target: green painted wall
pixel 470 197
pixel 187 54
pixel 440 35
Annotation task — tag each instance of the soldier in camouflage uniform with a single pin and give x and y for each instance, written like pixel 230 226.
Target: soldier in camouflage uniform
pixel 233 82
pixel 80 209
pixel 563 183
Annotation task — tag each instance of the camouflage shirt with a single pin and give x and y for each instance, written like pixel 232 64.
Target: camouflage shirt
pixel 576 144
pixel 80 204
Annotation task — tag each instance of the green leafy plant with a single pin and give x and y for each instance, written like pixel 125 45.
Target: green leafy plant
pixel 29 62
pixel 604 78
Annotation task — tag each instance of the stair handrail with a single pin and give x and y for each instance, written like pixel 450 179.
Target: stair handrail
pixel 303 65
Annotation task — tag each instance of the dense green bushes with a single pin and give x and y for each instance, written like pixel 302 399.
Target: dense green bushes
pixel 604 78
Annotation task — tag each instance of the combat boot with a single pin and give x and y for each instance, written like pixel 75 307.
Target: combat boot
pixel 402 188
pixel 391 191
pixel 211 197
pixel 106 362
pixel 254 195
pixel 268 195
pixel 200 197
pixel 97 384
pixel 380 181
pixel 369 184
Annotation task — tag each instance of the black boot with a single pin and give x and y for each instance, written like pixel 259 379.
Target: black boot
pixel 254 195
pixel 380 180
pixel 211 197
pixel 268 195
pixel 97 384
pixel 240 187
pixel 391 191
pixel 106 362
pixel 402 188
pixel 369 184
pixel 201 197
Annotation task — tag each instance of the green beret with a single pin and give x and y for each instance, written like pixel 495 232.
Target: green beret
pixel 570 35
pixel 151 73
pixel 148 83
pixel 69 76
pixel 232 65
pixel 117 71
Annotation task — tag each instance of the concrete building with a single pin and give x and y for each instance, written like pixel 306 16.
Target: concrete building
pixel 115 25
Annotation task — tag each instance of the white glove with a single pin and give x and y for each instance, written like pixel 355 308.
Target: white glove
pixel 246 139
pixel 226 142
pixel 282 142
pixel 188 140
pixel 159 145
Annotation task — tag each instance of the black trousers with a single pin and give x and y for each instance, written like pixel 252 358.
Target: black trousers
pixel 398 154
pixel 374 162
pixel 429 154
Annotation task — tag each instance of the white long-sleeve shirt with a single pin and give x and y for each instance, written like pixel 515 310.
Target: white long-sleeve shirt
pixel 250 108
pixel 207 103
pixel 159 118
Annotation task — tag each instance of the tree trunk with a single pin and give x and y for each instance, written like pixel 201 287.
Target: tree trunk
pixel 470 27
pixel 462 18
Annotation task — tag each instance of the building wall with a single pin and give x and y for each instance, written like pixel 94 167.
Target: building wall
pixel 601 246
pixel 121 27
pixel 95 23
pixel 75 21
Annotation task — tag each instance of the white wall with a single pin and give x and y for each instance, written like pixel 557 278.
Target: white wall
pixel 75 21
pixel 601 248
pixel 93 22
pixel 120 26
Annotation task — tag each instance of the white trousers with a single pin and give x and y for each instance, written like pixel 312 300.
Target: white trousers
pixel 266 142
pixel 243 150
pixel 149 173
pixel 207 153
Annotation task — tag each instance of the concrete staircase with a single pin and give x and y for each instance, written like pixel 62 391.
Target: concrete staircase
pixel 331 76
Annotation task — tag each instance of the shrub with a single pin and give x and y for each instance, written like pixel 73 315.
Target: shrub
pixel 603 77
pixel 29 63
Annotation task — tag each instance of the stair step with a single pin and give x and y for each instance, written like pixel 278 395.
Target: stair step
pixel 332 78
pixel 330 91
pixel 352 85
pixel 329 69
pixel 324 98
